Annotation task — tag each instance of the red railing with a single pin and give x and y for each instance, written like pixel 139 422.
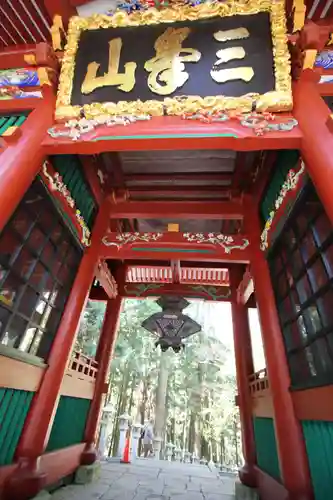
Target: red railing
pixel 258 381
pixel 83 365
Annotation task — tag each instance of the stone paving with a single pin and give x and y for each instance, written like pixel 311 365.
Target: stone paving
pixel 149 479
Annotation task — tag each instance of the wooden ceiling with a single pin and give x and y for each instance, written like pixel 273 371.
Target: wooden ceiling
pixel 200 175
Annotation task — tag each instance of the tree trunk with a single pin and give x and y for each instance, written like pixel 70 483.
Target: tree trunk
pixel 121 408
pixel 236 441
pixel 191 433
pixel 161 392
pixel 131 399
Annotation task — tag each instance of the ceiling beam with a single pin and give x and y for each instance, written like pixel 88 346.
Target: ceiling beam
pixel 177 189
pixel 114 169
pixel 174 177
pixel 213 210
pixel 260 183
pixel 90 167
pixel 240 165
pixel 174 246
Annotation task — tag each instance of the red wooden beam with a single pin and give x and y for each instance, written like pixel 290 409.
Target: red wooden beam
pixel 174 246
pixel 172 133
pixel 64 8
pixel 114 167
pixel 261 181
pixel 16 57
pixel 106 280
pixel 217 210
pixel 13 105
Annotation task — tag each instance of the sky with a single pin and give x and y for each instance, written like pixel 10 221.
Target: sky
pixel 217 315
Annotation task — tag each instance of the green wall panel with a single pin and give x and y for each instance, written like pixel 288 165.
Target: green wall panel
pixel 11 121
pixel 284 162
pixel 319 445
pixel 14 406
pixel 267 455
pixel 69 422
pixel 70 169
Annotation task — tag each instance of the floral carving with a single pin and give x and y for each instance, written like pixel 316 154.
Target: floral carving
pixel 141 288
pixel 214 292
pixel 55 183
pixel 226 242
pixel 124 239
pixel 74 129
pixel 261 123
pixel 289 184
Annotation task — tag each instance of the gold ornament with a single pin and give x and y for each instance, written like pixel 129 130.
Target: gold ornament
pixel 124 81
pixel 168 65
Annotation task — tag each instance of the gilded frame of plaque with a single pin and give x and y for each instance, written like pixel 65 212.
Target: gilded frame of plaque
pixel 278 100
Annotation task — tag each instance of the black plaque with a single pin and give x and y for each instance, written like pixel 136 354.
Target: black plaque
pixel 138 46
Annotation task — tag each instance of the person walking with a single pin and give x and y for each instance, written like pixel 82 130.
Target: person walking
pixel 148 438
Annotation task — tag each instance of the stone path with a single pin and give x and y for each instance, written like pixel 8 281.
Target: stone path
pixel 148 479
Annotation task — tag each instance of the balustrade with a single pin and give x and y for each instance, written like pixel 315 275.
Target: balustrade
pixel 85 367
pixel 258 381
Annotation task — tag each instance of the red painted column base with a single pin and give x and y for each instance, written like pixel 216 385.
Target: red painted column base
pixel 89 455
pixel 26 482
pixel 247 476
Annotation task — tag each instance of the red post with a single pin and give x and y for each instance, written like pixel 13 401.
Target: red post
pixel 21 161
pixel 317 145
pixel 244 363
pixel 106 345
pixel 290 443
pixel 29 479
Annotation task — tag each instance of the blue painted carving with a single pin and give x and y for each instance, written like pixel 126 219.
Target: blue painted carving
pixel 19 78
pixel 324 60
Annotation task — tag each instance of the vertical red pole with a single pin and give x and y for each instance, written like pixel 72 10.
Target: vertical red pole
pixel 317 144
pixel 106 345
pixel 244 363
pixel 22 160
pixel 291 448
pixel 29 479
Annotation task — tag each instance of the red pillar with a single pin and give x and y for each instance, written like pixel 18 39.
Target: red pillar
pixel 317 144
pixel 244 363
pixel 29 479
pixel 106 345
pixel 290 443
pixel 22 160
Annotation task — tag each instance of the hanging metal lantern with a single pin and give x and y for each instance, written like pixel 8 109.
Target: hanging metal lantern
pixel 171 325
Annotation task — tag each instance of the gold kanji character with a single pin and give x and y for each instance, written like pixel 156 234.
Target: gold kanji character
pixel 124 81
pixel 168 64
pixel 245 73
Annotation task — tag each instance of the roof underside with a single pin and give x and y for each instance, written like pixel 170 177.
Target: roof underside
pixel 28 21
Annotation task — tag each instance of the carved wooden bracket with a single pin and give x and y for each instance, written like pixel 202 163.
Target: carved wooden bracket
pixel 245 288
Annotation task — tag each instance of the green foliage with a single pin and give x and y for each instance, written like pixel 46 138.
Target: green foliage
pixel 90 328
pixel 200 392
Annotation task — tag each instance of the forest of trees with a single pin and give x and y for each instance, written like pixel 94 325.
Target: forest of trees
pixel 190 396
